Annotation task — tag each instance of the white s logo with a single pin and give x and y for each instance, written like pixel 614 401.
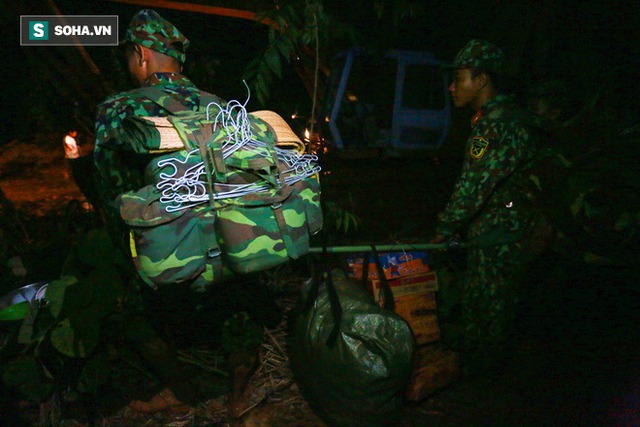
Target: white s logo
pixel 38 30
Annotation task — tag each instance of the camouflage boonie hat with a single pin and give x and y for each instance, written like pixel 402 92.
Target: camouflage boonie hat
pixel 156 33
pixel 479 53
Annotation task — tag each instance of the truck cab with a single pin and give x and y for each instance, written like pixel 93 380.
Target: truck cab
pixel 388 100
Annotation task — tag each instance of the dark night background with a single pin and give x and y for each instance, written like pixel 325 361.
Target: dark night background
pixel 590 45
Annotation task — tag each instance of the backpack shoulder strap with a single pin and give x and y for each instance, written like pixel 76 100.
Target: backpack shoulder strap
pixel 171 104
pixel 201 135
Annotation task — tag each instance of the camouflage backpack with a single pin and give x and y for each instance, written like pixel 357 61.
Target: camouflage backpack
pixel 227 192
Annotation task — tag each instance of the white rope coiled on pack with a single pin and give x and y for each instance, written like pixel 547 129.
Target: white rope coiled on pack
pixel 190 189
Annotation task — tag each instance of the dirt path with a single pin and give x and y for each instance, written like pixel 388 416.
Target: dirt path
pixel 35 177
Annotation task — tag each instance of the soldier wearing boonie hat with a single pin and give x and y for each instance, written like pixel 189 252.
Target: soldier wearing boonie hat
pixel 489 208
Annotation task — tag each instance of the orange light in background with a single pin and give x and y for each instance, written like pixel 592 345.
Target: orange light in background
pixel 316 142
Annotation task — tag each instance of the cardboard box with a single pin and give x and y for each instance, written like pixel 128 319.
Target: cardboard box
pixel 419 311
pixel 394 264
pixel 434 368
pixel 404 286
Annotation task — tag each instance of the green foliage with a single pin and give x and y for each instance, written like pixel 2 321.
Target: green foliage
pixel 78 340
pixel 399 10
pixel 55 293
pixel 25 374
pixel 593 200
pixel 96 250
pixel 65 328
pixel 260 72
pixel 241 333
pixel 15 312
pixel 301 25
pixel 340 220
pixel 77 304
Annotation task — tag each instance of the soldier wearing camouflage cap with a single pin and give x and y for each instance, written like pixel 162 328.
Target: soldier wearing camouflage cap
pixel 476 67
pixel 150 30
pixel 155 51
pixel 488 207
pixel 479 54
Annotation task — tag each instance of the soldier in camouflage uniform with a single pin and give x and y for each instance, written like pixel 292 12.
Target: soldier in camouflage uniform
pixel 489 201
pixel 155 53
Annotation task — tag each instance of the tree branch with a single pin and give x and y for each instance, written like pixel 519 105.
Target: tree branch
pixel 202 8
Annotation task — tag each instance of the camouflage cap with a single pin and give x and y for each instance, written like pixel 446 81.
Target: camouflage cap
pixel 156 33
pixel 479 53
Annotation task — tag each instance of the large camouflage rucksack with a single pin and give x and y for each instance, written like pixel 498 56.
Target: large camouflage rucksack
pixel 227 192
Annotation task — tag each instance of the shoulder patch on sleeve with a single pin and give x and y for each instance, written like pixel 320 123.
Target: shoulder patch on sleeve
pixel 478 147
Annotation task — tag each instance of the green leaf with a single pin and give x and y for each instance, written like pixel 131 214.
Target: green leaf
pixel 78 339
pixel 576 206
pixel 285 47
pixel 262 88
pixel 536 181
pixel 306 37
pixel 272 60
pixel 56 291
pixel 15 311
pixel 78 296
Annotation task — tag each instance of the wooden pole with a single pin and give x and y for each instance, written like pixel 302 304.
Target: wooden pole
pixel 385 248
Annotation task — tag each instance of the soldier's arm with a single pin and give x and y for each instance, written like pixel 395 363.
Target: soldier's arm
pixel 109 122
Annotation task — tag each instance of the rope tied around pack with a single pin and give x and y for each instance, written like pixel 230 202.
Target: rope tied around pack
pixel 184 186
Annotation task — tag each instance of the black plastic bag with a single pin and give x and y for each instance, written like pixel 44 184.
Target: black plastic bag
pixel 353 371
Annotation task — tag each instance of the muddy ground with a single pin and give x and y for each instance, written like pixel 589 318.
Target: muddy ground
pixel 576 360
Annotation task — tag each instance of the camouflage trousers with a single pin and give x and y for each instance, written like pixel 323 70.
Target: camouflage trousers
pixel 489 302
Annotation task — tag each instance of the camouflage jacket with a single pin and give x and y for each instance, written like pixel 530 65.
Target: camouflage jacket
pixel 120 166
pixel 486 193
